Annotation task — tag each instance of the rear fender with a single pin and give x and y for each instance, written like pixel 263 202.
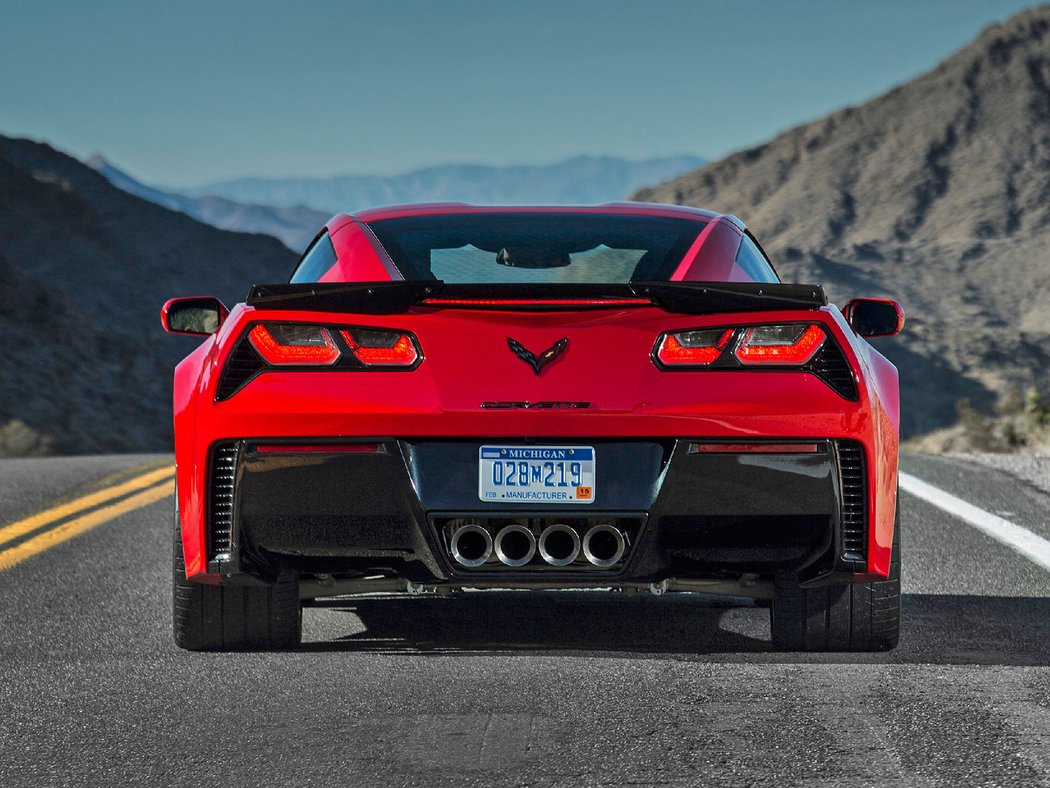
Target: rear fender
pixel 882 390
pixel 189 381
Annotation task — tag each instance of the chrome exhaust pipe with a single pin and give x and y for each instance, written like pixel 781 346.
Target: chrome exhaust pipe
pixel 604 545
pixel 470 545
pixel 559 545
pixel 515 545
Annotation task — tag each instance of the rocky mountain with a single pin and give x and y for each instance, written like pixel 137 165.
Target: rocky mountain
pixel 936 193
pixel 84 270
pixel 582 179
pixel 294 226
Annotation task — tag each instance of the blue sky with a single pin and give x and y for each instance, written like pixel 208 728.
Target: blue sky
pixel 183 93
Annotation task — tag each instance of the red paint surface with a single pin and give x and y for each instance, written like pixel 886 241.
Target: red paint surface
pixel 466 362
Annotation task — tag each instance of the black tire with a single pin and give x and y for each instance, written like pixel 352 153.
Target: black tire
pixel 230 618
pixel 863 617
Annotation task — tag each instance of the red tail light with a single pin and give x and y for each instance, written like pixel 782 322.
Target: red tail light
pixel 792 344
pixel 283 344
pixel 375 348
pixel 753 448
pixel 537 302
pixel 317 448
pixel 693 347
pixel 784 344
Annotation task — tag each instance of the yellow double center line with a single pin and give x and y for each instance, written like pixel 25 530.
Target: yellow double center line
pixel 153 485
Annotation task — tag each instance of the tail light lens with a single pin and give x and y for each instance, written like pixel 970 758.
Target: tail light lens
pixel 693 347
pixel 381 348
pixel 793 344
pixel 283 344
pixel 787 344
pixel 806 347
pixel 292 346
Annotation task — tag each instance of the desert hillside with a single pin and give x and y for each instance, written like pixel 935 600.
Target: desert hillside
pixel 84 270
pixel 936 193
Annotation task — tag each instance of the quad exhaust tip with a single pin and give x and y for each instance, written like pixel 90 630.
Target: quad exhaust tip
pixel 559 545
pixel 514 545
pixel 604 545
pixel 471 545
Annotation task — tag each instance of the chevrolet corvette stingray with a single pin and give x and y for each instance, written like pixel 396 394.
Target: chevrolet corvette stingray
pixel 621 397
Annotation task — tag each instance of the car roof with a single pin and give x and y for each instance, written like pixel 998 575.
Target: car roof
pixel 458 208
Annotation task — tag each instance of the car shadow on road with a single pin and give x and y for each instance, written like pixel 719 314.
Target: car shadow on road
pixel 937 628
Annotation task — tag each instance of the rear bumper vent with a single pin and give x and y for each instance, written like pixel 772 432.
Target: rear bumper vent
pixel 853 514
pixel 831 366
pixel 222 477
pixel 242 365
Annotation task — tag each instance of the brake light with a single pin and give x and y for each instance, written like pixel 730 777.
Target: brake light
pixel 753 448
pixel 375 348
pixel 317 448
pixel 693 347
pixel 283 344
pixel 537 302
pixel 792 344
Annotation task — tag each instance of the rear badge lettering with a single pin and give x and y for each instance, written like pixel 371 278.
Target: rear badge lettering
pixel 526 405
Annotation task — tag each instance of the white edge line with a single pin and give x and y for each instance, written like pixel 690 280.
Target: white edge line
pixel 1032 546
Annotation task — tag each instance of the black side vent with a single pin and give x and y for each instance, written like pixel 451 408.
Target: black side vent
pixel 242 365
pixel 853 517
pixel 831 366
pixel 221 482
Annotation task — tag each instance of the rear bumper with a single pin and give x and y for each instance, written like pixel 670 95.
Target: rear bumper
pixel 384 507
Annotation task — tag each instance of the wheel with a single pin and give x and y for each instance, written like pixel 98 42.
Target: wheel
pixel 864 617
pixel 220 618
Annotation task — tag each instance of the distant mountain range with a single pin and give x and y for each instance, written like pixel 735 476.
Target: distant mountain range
pixel 294 226
pixel 936 193
pixel 582 179
pixel 294 209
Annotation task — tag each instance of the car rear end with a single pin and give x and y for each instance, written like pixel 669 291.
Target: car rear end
pixel 642 435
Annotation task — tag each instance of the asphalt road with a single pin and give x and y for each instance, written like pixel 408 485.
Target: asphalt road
pixel 519 689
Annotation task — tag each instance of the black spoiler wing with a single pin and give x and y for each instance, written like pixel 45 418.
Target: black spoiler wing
pixel 387 298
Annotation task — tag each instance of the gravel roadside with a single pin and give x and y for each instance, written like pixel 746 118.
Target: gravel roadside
pixel 1031 468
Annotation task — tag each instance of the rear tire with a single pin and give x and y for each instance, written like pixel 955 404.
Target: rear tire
pixel 228 618
pixel 856 617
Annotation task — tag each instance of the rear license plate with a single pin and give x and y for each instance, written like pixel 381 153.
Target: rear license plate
pixel 536 474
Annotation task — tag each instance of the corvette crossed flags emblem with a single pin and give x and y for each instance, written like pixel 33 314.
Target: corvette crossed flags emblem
pixel 543 359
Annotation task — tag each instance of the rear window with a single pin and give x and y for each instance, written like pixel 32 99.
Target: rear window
pixel 536 248
pixel 753 261
pixel 317 260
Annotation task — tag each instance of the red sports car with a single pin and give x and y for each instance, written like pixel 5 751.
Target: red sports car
pixel 449 397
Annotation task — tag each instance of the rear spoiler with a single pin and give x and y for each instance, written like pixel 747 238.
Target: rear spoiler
pixel 388 298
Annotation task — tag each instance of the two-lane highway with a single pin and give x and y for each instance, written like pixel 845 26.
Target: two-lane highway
pixel 508 689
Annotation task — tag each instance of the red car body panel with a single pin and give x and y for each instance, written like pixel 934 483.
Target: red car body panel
pixel 360 258
pixel 466 363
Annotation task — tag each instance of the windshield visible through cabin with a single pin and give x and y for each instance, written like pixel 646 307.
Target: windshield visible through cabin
pixel 536 248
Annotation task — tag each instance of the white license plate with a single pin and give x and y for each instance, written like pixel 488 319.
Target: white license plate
pixel 536 474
